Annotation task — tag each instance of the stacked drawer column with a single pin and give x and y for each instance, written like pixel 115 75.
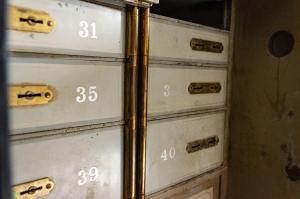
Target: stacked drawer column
pixel 187 107
pixel 66 83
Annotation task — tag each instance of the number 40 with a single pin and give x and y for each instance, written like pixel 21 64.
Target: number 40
pixel 168 154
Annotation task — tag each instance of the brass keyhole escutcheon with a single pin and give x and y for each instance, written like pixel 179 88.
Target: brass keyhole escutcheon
pixel 206 45
pixel 30 20
pixel 202 144
pixel 30 95
pixel 34 189
pixel 204 87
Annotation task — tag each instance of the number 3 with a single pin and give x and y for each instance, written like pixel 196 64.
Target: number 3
pixel 167 90
pixel 82 97
pixel 83 179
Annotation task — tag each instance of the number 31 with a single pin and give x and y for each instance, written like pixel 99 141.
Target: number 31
pixel 84 32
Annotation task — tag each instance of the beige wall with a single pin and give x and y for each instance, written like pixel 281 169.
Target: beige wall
pixel 265 121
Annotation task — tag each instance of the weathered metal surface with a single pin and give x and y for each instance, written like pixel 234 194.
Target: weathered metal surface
pixel 82 165
pixel 265 125
pixel 169 88
pixel 171 39
pixel 81 28
pixel 168 162
pixel 85 92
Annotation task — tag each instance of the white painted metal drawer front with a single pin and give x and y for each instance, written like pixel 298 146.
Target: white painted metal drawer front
pixel 168 88
pixel 82 166
pixel 86 92
pixel 168 161
pixel 170 39
pixel 80 28
pixel 206 194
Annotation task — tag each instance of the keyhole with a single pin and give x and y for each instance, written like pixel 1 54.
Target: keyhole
pixel 200 88
pixel 29 95
pixel 31 190
pixel 31 21
pixel 196 146
pixel 200 45
pixel 217 47
pixel 214 88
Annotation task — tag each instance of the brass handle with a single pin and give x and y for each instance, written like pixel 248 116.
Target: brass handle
pixel 204 88
pixel 202 144
pixel 206 45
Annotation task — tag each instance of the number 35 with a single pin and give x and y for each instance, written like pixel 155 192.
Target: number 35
pixel 82 97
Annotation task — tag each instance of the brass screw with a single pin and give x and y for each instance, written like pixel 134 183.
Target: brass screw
pixel 50 23
pixel 47 94
pixel 48 186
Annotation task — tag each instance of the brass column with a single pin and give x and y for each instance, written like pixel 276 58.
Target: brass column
pixel 130 103
pixel 142 102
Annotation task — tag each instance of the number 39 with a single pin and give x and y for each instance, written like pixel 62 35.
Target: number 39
pixel 91 175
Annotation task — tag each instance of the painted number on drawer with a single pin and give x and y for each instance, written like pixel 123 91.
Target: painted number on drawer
pixel 87 30
pixel 89 175
pixel 168 154
pixel 86 94
pixel 167 90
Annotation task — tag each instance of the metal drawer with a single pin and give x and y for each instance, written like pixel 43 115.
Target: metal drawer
pixel 86 165
pixel 179 149
pixel 206 194
pixel 85 92
pixel 172 39
pixel 79 28
pixel 170 88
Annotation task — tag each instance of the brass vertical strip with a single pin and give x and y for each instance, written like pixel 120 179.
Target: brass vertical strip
pixel 130 103
pixel 142 102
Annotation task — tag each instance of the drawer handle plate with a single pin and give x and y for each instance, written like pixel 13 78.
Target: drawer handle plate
pixel 30 95
pixel 204 88
pixel 199 145
pixel 206 45
pixel 33 189
pixel 29 20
